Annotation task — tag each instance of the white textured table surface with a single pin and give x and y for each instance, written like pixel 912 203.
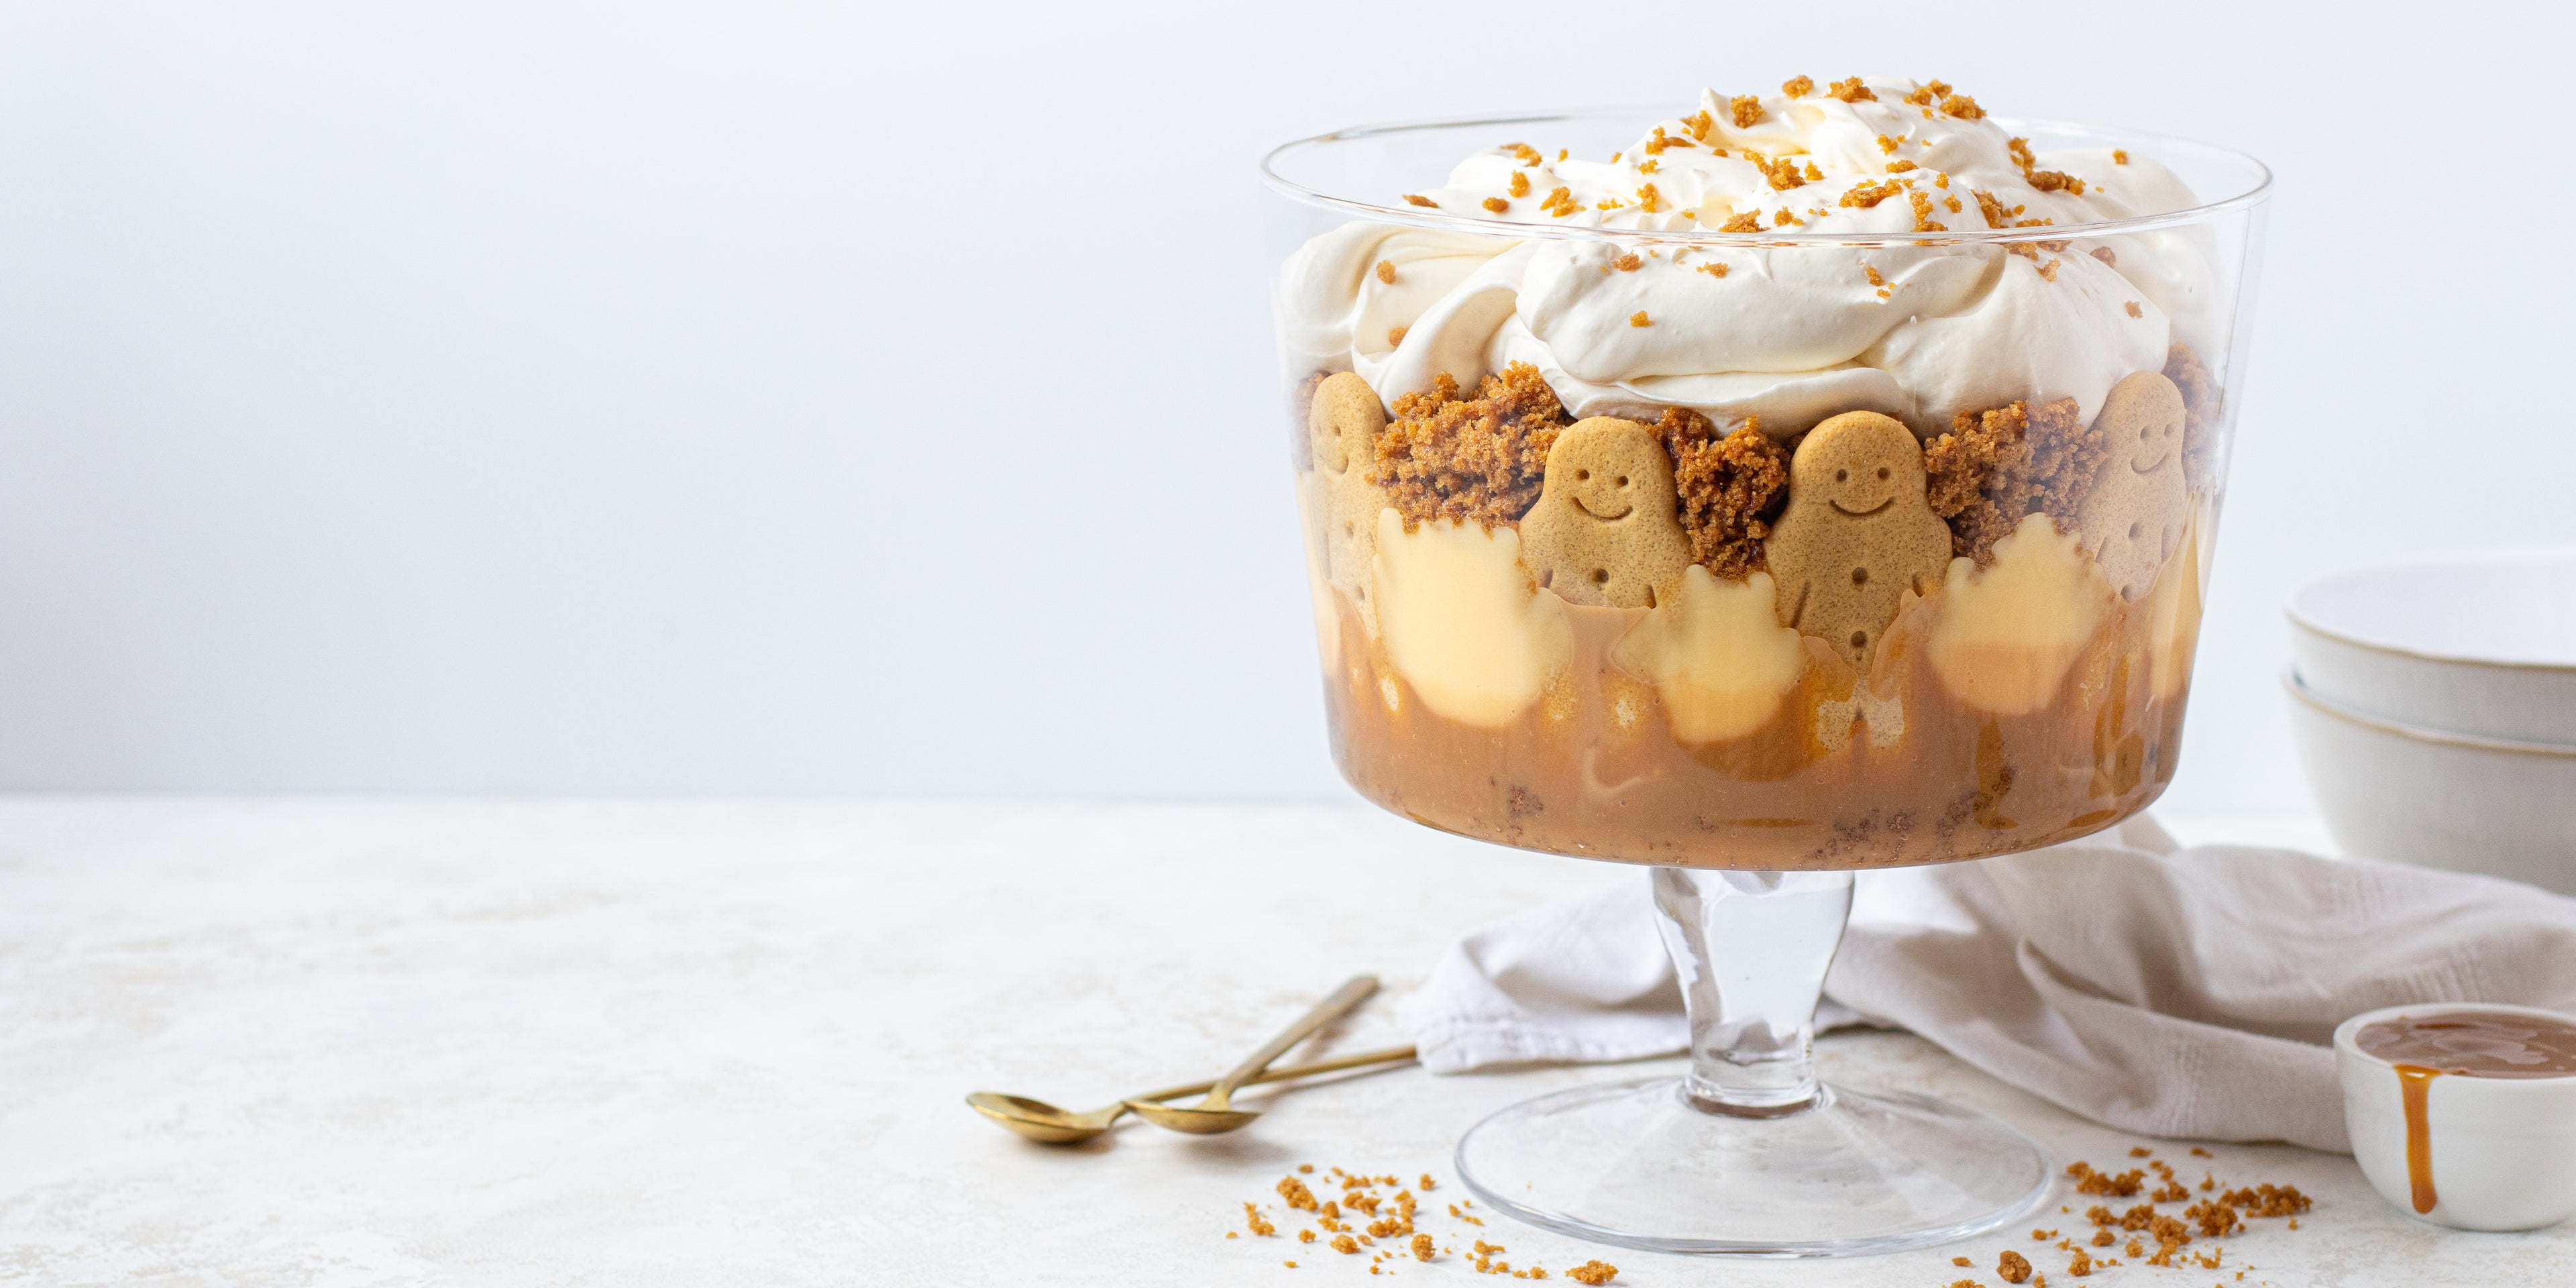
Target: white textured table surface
pixel 461 1043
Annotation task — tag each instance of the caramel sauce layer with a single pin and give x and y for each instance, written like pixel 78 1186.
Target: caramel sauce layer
pixel 1893 772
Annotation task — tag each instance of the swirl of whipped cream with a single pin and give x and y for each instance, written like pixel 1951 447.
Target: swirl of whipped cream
pixel 1787 332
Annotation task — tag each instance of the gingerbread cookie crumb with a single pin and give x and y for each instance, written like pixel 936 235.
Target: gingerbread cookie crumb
pixel 1481 458
pixel 1597 1272
pixel 2200 404
pixel 1865 195
pixel 2213 1217
pixel 2087 1180
pixel 1798 86
pixel 1995 468
pixel 2268 1199
pixel 2012 1267
pixel 1731 489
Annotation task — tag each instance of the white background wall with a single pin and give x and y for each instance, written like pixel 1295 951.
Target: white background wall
pixel 877 399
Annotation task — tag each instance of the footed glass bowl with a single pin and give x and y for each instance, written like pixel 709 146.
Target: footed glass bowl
pixel 1832 488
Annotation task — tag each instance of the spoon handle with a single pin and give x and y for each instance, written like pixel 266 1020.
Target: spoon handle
pixel 1353 991
pixel 1288 1073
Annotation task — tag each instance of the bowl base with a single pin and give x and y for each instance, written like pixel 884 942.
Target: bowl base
pixel 1640 1165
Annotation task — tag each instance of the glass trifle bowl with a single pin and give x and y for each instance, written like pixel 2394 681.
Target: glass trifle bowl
pixel 1799 483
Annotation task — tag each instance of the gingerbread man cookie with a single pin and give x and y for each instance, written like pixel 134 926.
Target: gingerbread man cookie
pixel 1858 533
pixel 1342 428
pixel 1606 529
pixel 2133 517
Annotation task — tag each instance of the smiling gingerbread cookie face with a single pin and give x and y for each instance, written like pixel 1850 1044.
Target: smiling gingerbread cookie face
pixel 1862 468
pixel 2133 517
pixel 1342 428
pixel 1342 423
pixel 1606 529
pixel 1858 533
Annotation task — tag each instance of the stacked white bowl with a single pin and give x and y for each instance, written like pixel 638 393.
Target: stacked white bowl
pixel 2435 704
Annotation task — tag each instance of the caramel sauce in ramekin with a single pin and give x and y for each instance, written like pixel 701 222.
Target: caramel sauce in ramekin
pixel 2464 1044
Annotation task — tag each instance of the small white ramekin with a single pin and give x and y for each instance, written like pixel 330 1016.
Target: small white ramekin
pixel 2503 1149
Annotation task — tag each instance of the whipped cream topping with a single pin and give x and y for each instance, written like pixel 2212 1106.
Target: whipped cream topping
pixel 1790 333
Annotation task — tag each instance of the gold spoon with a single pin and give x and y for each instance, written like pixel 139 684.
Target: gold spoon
pixel 1038 1120
pixel 1213 1115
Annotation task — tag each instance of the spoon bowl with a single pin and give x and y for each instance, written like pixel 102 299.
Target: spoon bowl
pixel 1194 1119
pixel 1215 1115
pixel 1038 1120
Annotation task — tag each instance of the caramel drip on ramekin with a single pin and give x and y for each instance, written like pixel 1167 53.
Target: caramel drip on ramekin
pixel 2413 1081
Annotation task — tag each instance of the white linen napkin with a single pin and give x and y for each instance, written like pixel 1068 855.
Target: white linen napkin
pixel 2173 991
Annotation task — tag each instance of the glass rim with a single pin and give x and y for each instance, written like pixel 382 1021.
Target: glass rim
pixel 1415 216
